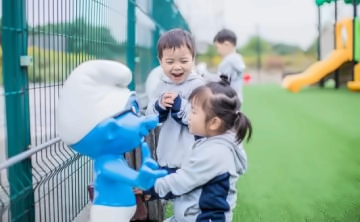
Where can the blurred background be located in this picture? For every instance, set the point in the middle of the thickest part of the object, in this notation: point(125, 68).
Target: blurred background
point(274, 37)
point(304, 159)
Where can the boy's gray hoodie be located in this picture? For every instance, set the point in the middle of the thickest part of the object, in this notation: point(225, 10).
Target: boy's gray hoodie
point(206, 183)
point(233, 66)
point(174, 138)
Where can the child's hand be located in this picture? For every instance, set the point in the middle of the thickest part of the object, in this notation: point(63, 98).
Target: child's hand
point(149, 170)
point(148, 173)
point(167, 100)
point(140, 192)
point(137, 191)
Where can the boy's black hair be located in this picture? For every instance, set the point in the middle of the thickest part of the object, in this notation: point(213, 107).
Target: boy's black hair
point(175, 38)
point(225, 35)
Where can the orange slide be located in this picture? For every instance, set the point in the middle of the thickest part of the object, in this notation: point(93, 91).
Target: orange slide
point(355, 85)
point(317, 71)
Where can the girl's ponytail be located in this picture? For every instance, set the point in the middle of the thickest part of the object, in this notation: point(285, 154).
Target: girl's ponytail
point(243, 127)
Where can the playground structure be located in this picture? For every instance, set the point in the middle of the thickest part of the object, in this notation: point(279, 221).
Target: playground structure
point(347, 49)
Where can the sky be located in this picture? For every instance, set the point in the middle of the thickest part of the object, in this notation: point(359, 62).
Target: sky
point(286, 21)
point(291, 21)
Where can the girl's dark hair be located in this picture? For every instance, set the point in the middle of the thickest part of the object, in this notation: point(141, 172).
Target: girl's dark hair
point(175, 38)
point(225, 79)
point(224, 104)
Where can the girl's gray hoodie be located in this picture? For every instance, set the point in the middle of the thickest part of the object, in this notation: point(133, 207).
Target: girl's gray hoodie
point(174, 138)
point(206, 183)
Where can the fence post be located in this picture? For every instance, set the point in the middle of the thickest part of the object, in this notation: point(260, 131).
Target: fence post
point(130, 46)
point(14, 43)
point(156, 36)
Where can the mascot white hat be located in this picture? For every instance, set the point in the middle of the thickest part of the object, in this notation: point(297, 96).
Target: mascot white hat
point(94, 91)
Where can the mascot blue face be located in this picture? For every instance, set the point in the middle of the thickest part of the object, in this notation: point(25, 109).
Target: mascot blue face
point(118, 134)
point(97, 114)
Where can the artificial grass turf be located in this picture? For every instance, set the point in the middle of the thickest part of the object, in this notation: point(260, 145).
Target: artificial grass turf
point(304, 158)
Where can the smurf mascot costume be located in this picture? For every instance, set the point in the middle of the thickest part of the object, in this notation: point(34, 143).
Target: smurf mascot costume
point(99, 117)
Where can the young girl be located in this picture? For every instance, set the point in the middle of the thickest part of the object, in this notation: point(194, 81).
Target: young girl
point(205, 186)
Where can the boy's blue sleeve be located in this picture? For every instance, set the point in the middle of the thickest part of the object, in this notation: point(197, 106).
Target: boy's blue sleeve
point(180, 110)
point(163, 113)
point(154, 108)
point(182, 107)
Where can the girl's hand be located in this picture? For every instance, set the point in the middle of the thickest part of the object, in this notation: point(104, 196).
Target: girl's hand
point(140, 192)
point(137, 191)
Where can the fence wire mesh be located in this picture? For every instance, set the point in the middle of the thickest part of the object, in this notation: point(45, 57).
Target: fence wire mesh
point(42, 179)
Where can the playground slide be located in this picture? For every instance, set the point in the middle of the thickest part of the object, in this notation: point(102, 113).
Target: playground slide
point(317, 71)
point(355, 85)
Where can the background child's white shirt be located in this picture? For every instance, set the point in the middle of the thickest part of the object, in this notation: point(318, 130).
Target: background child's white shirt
point(233, 66)
point(174, 138)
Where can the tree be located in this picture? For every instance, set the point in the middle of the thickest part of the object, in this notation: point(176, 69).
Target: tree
point(85, 38)
point(312, 50)
point(284, 49)
point(250, 47)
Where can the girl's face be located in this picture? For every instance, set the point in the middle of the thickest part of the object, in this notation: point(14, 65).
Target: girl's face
point(177, 63)
point(197, 121)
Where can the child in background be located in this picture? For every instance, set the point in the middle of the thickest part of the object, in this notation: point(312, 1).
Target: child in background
point(204, 189)
point(232, 64)
point(176, 54)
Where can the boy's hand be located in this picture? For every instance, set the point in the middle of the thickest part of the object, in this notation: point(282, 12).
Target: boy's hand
point(167, 100)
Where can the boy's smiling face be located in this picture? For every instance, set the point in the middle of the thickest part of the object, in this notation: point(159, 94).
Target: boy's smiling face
point(177, 63)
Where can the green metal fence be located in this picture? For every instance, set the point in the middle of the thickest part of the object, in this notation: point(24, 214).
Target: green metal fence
point(41, 179)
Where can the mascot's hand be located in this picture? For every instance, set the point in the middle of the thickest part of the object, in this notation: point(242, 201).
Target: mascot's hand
point(149, 170)
point(148, 123)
